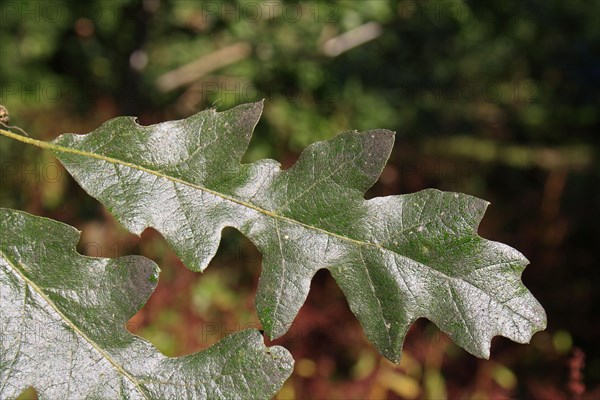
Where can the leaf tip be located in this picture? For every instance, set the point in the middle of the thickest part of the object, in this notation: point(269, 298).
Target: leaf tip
point(394, 357)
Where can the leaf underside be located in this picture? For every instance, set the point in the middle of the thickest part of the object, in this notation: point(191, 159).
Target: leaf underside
point(396, 258)
point(62, 328)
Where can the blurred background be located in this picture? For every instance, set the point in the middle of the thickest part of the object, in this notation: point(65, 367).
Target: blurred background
point(495, 99)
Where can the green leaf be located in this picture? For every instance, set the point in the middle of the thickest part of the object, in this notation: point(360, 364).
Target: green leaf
point(396, 258)
point(62, 328)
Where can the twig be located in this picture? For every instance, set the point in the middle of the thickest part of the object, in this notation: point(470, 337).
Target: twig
point(191, 72)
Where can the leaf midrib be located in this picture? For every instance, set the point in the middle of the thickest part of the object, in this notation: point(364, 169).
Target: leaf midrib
point(54, 147)
point(271, 214)
point(73, 326)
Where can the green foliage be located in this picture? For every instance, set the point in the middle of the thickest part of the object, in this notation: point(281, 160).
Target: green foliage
point(438, 67)
point(396, 258)
point(62, 328)
point(516, 80)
